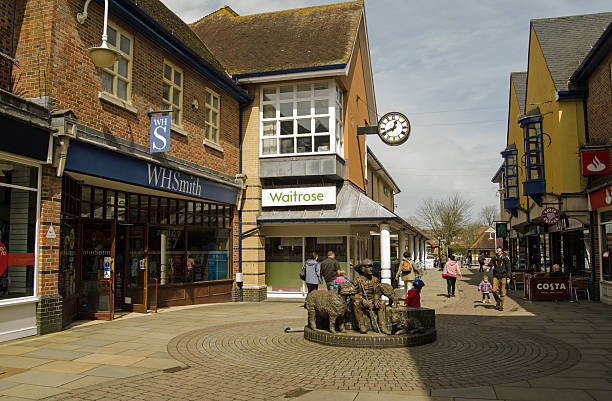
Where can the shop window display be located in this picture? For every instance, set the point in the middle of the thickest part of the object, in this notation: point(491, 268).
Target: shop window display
point(18, 201)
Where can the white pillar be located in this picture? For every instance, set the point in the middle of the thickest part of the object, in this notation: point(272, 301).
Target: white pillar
point(422, 249)
point(418, 248)
point(385, 254)
point(411, 246)
point(401, 249)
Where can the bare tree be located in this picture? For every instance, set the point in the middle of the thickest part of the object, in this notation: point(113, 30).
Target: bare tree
point(446, 218)
point(488, 215)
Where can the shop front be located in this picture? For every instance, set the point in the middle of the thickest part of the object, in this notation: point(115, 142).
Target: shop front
point(129, 244)
point(601, 204)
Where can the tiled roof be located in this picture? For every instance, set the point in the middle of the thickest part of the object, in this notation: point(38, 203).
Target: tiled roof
point(284, 40)
point(565, 41)
point(171, 22)
point(519, 81)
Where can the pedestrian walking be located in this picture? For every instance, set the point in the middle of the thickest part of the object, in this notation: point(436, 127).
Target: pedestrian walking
point(481, 261)
point(485, 288)
point(501, 277)
point(468, 260)
point(452, 271)
point(312, 273)
point(329, 269)
point(407, 271)
point(414, 295)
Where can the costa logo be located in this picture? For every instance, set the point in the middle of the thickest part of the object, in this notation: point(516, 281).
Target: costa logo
point(551, 286)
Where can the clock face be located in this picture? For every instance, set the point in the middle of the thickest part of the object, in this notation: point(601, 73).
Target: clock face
point(394, 128)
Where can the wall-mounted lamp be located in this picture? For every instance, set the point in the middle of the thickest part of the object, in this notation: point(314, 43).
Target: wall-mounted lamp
point(102, 56)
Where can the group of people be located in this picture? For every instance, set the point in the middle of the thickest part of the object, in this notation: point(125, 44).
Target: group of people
point(329, 270)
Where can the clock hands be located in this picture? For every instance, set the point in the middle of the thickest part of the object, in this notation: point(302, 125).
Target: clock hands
point(392, 128)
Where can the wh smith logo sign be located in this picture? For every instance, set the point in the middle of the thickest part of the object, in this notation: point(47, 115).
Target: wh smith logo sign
point(298, 196)
point(160, 134)
point(171, 180)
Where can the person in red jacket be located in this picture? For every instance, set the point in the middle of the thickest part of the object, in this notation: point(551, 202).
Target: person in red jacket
point(414, 295)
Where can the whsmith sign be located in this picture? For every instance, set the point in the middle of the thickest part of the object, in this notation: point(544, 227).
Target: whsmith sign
point(298, 196)
point(103, 163)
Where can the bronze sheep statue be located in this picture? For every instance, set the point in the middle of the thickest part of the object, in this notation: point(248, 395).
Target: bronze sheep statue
point(329, 305)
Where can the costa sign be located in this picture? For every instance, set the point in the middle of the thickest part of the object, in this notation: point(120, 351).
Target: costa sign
point(594, 163)
point(548, 288)
point(550, 215)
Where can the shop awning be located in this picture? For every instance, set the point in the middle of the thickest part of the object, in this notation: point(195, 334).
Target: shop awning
point(351, 205)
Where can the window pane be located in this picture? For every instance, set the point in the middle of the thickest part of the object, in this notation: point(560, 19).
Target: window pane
point(122, 89)
point(304, 126)
point(112, 36)
point(269, 94)
point(107, 82)
point(321, 107)
point(124, 45)
point(286, 145)
point(177, 78)
point(121, 199)
point(207, 114)
point(216, 102)
point(268, 146)
point(208, 98)
point(321, 89)
point(303, 108)
point(85, 209)
point(304, 145)
point(214, 118)
point(286, 109)
point(512, 181)
point(511, 170)
point(86, 193)
point(213, 133)
point(166, 89)
point(176, 115)
point(176, 96)
point(167, 72)
point(207, 132)
point(322, 143)
point(269, 111)
point(303, 91)
point(512, 193)
point(269, 128)
point(286, 127)
point(98, 195)
point(286, 92)
point(321, 124)
point(122, 67)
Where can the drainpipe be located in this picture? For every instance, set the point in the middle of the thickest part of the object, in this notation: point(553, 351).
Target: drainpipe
point(239, 278)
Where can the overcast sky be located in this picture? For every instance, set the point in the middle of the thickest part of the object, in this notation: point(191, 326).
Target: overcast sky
point(446, 65)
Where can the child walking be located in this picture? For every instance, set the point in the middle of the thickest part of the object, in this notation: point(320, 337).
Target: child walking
point(485, 288)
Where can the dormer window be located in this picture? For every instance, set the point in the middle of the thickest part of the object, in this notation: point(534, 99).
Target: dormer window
point(511, 194)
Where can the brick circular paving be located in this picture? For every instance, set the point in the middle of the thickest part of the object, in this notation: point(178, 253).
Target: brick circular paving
point(464, 355)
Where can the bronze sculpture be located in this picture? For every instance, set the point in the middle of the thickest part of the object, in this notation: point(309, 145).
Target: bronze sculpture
point(330, 305)
point(368, 297)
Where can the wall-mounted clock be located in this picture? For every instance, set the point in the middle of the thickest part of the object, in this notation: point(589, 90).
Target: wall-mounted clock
point(394, 128)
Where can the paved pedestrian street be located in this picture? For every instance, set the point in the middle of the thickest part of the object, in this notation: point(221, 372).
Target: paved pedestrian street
point(531, 351)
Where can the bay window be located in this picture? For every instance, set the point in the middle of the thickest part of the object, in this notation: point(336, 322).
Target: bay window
point(303, 118)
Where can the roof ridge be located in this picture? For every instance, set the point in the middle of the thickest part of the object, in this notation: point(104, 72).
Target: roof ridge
point(332, 5)
point(223, 10)
point(571, 16)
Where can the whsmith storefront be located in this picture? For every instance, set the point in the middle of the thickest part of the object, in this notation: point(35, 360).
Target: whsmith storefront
point(155, 229)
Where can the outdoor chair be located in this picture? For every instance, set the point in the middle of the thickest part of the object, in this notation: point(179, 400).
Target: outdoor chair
point(581, 285)
point(518, 278)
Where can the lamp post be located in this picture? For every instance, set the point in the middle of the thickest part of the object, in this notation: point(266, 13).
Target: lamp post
point(102, 56)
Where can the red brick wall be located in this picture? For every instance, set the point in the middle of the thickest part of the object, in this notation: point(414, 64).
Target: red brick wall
point(75, 82)
point(7, 13)
point(599, 103)
point(51, 199)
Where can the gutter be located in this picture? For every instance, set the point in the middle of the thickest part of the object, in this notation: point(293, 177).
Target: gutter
point(292, 73)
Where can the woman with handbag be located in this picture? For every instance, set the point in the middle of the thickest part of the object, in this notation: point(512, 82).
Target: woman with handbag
point(311, 273)
point(452, 270)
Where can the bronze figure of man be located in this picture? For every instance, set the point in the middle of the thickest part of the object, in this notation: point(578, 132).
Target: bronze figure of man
point(368, 297)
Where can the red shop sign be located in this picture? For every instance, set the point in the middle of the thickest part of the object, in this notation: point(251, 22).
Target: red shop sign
point(601, 198)
point(595, 162)
point(549, 288)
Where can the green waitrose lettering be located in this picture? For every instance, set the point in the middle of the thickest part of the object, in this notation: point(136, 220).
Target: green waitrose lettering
point(294, 196)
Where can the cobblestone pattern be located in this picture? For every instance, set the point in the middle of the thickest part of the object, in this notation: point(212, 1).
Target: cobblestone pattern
point(371, 340)
point(268, 363)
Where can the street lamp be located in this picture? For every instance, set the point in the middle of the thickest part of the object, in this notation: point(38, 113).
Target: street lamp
point(102, 56)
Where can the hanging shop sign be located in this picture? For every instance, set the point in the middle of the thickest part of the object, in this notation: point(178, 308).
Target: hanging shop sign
point(550, 215)
point(160, 134)
point(393, 129)
point(595, 162)
point(298, 196)
point(3, 259)
point(501, 230)
point(601, 198)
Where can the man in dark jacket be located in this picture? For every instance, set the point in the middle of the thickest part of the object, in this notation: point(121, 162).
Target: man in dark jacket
point(329, 269)
point(501, 277)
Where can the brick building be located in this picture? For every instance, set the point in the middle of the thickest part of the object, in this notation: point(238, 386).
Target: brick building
point(97, 193)
point(593, 81)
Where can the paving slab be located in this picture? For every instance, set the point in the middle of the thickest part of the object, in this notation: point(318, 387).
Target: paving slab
point(117, 371)
point(157, 363)
point(572, 382)
point(43, 378)
point(541, 394)
point(322, 395)
point(4, 384)
point(31, 392)
point(22, 362)
point(377, 396)
point(86, 381)
point(466, 392)
point(66, 367)
point(601, 395)
point(56, 354)
point(16, 350)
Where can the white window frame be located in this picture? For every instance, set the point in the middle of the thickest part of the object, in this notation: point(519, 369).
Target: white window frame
point(173, 86)
point(115, 71)
point(16, 159)
point(339, 121)
point(208, 126)
point(331, 114)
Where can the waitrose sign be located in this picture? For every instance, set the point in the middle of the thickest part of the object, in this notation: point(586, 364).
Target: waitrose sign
point(298, 196)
